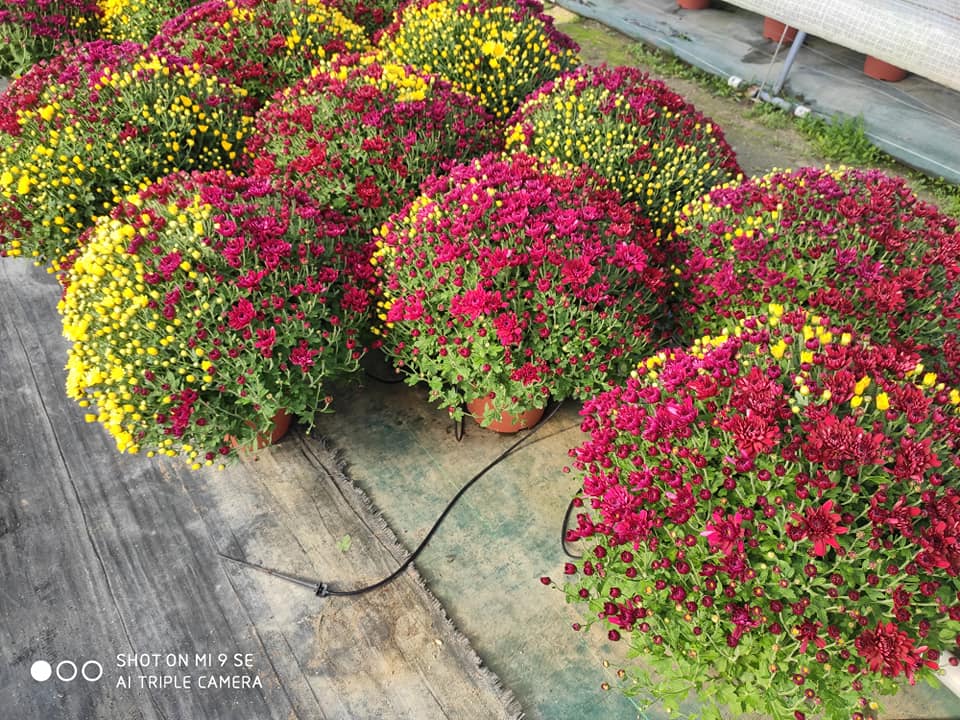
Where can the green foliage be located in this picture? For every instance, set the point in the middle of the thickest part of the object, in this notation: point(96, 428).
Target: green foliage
point(769, 116)
point(669, 65)
point(608, 45)
point(20, 50)
point(35, 30)
point(842, 139)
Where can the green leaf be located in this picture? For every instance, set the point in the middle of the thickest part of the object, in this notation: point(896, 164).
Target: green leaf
point(711, 712)
point(343, 544)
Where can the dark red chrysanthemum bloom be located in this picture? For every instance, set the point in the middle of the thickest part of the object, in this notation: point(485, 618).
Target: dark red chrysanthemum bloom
point(753, 434)
point(820, 526)
point(833, 441)
point(743, 621)
point(890, 651)
point(807, 632)
point(913, 459)
point(757, 393)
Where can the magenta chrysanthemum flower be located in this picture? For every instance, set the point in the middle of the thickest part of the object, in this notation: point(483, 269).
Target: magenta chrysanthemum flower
point(723, 534)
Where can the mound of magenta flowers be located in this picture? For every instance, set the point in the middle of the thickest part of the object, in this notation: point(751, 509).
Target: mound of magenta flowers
point(108, 125)
point(772, 520)
point(35, 30)
point(856, 245)
point(498, 51)
point(362, 135)
point(259, 45)
point(505, 278)
point(641, 137)
point(202, 306)
point(137, 20)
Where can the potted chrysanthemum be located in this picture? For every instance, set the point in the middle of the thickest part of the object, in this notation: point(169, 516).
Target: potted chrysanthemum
point(112, 120)
point(26, 94)
point(204, 307)
point(508, 283)
point(260, 45)
point(360, 135)
point(857, 245)
point(771, 520)
point(645, 140)
point(36, 30)
point(498, 51)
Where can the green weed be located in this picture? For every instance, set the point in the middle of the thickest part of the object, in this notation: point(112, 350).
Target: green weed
point(769, 116)
point(842, 140)
point(662, 62)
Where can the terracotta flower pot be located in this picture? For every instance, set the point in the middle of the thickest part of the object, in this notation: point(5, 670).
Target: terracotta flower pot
point(281, 426)
point(880, 70)
point(774, 30)
point(506, 423)
point(693, 4)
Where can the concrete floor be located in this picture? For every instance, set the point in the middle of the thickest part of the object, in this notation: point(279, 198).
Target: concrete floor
point(106, 557)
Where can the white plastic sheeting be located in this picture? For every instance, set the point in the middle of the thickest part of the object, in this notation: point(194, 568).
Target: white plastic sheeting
point(922, 36)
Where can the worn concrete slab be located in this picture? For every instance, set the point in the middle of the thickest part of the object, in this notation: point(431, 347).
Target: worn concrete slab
point(110, 573)
point(487, 558)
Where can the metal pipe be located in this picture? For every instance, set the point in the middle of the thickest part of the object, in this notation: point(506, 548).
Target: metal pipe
point(791, 56)
point(774, 100)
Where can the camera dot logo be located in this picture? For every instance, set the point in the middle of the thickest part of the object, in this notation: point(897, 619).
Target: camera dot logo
point(41, 671)
point(67, 671)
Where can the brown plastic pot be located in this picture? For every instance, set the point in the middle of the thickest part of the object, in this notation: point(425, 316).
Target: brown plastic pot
point(693, 4)
point(281, 426)
point(880, 70)
point(774, 30)
point(507, 422)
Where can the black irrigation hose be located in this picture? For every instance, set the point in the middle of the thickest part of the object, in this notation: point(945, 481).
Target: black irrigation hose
point(563, 529)
point(322, 589)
